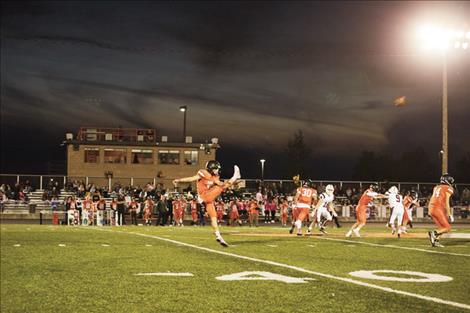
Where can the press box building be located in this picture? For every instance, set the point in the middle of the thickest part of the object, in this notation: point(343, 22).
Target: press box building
point(133, 156)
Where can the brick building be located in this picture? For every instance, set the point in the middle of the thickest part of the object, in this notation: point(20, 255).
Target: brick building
point(133, 156)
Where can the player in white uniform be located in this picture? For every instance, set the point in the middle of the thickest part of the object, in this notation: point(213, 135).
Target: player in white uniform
point(395, 200)
point(322, 210)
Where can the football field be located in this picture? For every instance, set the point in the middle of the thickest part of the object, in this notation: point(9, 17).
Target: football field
point(168, 269)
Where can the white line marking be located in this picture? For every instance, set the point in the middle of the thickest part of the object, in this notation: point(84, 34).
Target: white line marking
point(312, 246)
point(392, 246)
point(425, 277)
point(148, 245)
point(17, 245)
point(272, 246)
point(104, 245)
point(61, 245)
point(458, 236)
point(300, 269)
point(164, 274)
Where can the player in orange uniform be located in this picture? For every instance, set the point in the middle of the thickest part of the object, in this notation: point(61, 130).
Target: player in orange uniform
point(305, 196)
point(209, 187)
point(284, 207)
point(193, 204)
point(220, 211)
point(366, 198)
point(439, 208)
point(409, 202)
point(178, 210)
point(148, 207)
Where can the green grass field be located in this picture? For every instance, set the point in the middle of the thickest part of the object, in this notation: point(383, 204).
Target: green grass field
point(93, 269)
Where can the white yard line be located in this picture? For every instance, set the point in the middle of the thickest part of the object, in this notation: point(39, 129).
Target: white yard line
point(392, 246)
point(303, 270)
point(165, 274)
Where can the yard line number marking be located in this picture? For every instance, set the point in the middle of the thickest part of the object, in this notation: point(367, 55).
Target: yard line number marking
point(392, 246)
point(303, 270)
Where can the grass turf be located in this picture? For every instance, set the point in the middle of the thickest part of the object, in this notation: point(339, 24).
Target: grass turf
point(95, 271)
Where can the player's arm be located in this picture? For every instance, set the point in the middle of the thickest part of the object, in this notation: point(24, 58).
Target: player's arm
point(189, 179)
point(449, 214)
point(319, 203)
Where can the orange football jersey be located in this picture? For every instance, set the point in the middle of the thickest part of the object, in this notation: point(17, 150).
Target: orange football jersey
point(438, 198)
point(206, 181)
point(306, 195)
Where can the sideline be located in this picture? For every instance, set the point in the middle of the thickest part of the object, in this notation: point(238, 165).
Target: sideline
point(300, 269)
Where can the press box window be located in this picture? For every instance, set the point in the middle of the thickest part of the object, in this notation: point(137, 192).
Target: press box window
point(92, 155)
point(115, 156)
point(169, 156)
point(190, 157)
point(142, 156)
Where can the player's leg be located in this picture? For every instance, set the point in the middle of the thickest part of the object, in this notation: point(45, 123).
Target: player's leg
point(211, 212)
point(327, 218)
point(295, 215)
point(314, 220)
point(299, 221)
point(443, 224)
point(400, 213)
point(393, 217)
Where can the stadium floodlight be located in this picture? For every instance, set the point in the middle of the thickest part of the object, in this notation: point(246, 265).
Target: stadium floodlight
point(184, 109)
point(262, 168)
point(442, 39)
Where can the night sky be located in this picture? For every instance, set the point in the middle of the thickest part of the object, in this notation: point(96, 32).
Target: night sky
point(251, 74)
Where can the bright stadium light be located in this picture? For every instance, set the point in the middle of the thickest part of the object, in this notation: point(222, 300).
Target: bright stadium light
point(441, 39)
point(434, 38)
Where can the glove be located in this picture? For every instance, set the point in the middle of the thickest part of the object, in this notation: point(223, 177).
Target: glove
point(451, 218)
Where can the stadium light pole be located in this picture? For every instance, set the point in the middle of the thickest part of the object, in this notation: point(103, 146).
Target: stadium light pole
point(184, 109)
point(441, 39)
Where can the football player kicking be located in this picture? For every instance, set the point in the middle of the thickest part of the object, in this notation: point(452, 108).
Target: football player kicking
point(439, 208)
point(322, 209)
point(370, 194)
point(209, 187)
point(303, 201)
point(395, 200)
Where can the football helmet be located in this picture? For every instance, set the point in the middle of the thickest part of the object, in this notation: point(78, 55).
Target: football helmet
point(307, 183)
point(393, 190)
point(329, 189)
point(447, 179)
point(212, 166)
point(374, 187)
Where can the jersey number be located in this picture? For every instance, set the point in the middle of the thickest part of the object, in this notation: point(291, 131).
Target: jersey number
point(436, 193)
point(307, 193)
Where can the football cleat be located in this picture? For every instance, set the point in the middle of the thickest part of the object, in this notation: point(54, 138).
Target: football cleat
point(322, 229)
point(349, 234)
point(356, 232)
point(299, 234)
point(438, 244)
point(221, 241)
point(432, 238)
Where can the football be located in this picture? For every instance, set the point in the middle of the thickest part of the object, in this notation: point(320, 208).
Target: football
point(400, 101)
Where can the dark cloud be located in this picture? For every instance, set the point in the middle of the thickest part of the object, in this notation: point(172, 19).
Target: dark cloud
point(261, 69)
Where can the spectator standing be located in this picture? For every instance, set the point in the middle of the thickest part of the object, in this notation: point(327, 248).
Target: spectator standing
point(162, 209)
point(254, 213)
point(121, 207)
point(133, 211)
